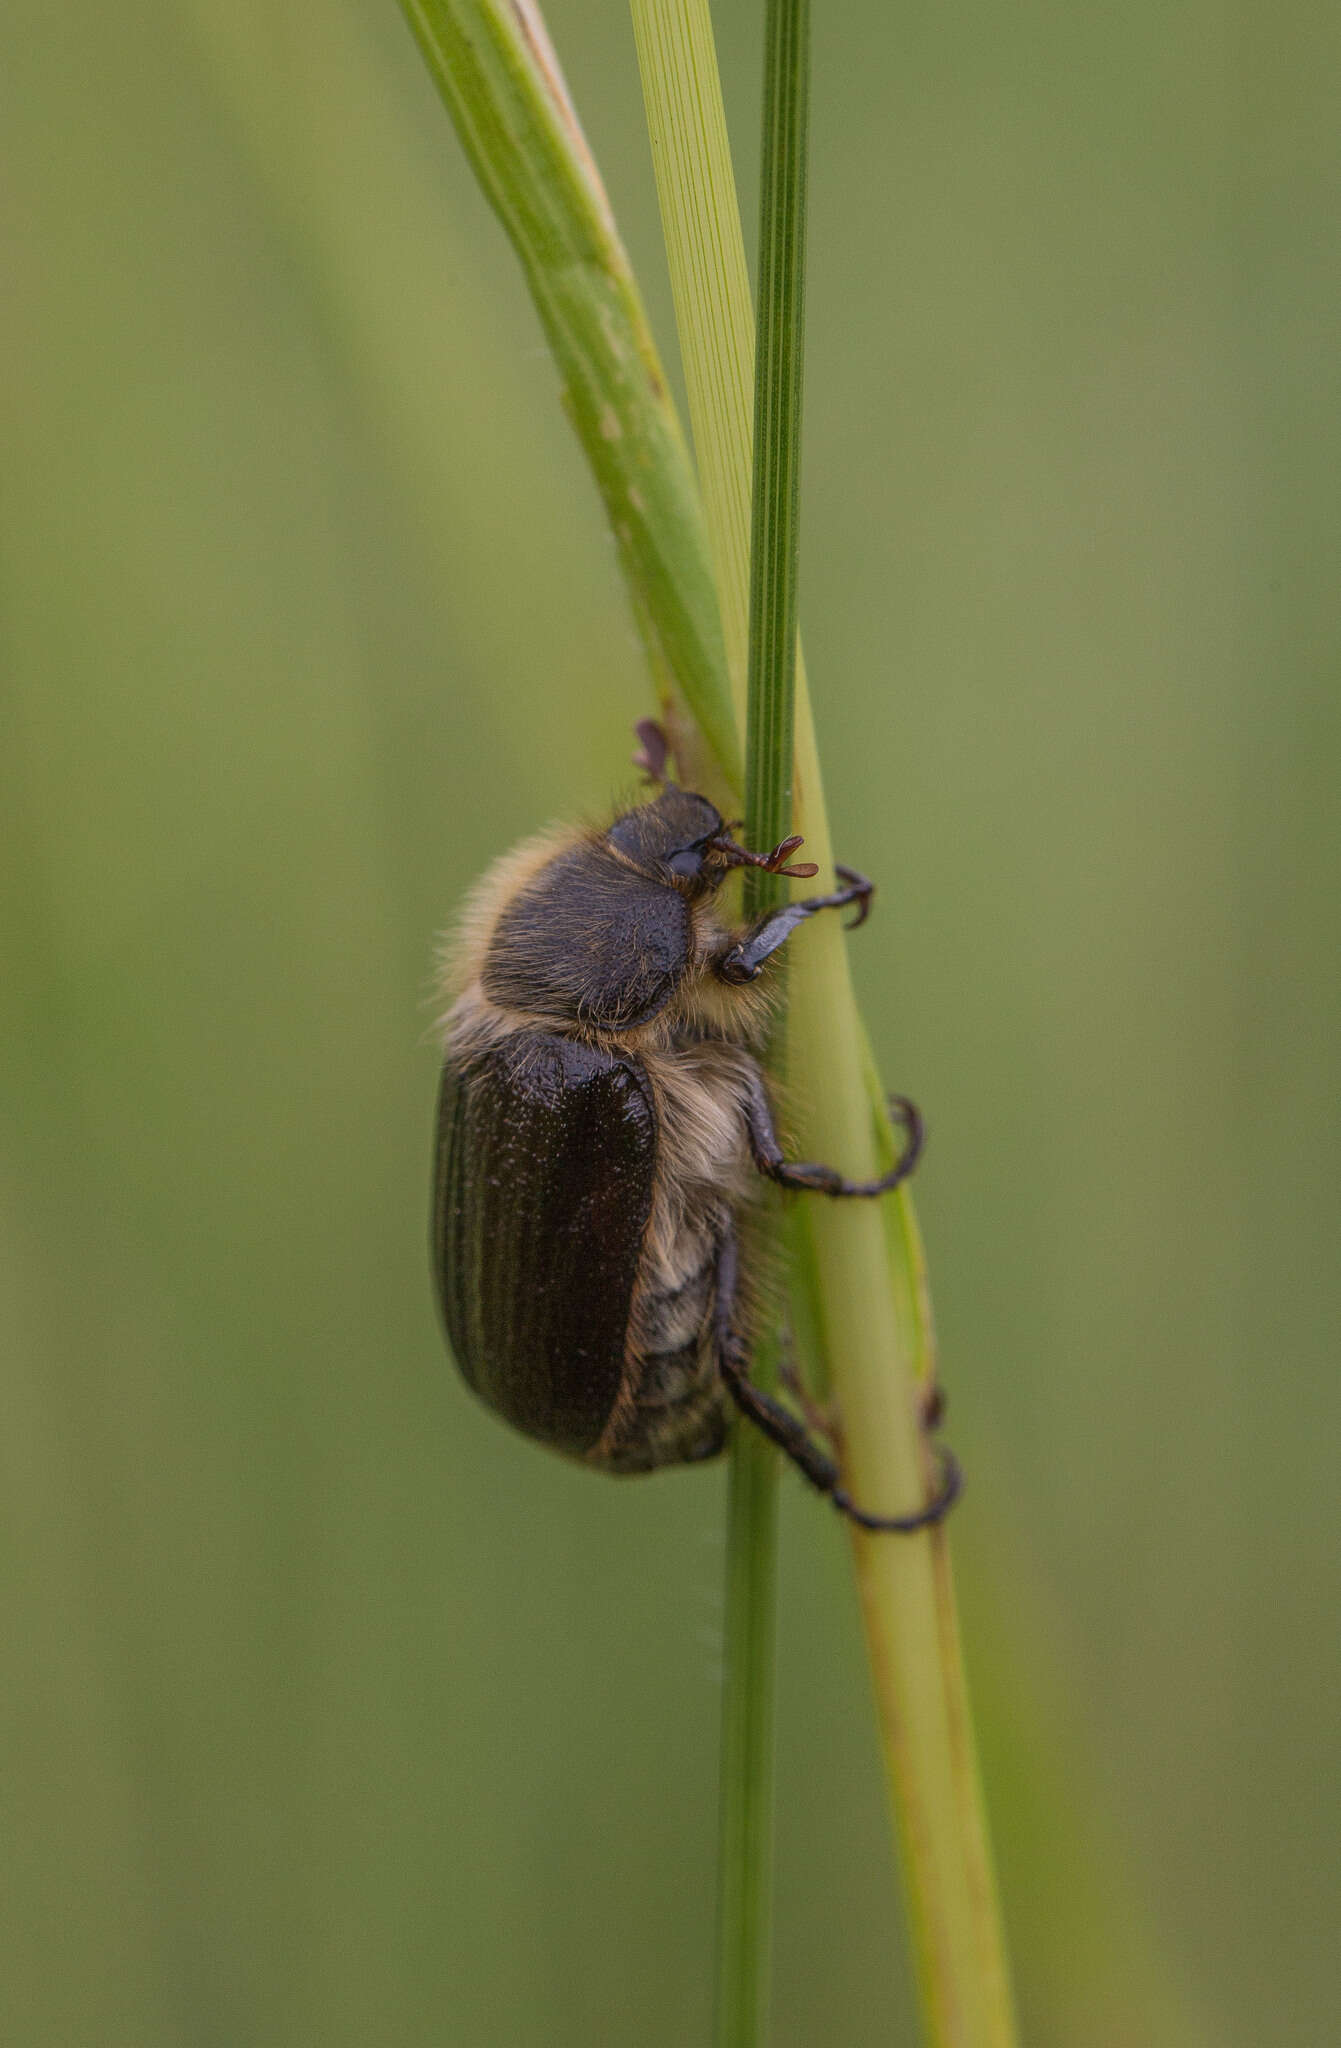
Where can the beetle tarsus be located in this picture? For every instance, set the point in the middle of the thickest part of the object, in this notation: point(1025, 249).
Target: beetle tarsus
point(951, 1486)
point(653, 749)
point(819, 1418)
point(934, 1402)
point(860, 890)
point(790, 1435)
point(827, 1180)
point(745, 956)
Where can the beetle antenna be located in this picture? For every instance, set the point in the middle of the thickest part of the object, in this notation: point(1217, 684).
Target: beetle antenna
point(653, 748)
point(775, 862)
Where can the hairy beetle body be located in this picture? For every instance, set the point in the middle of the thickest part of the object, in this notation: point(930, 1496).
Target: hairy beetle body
point(602, 1123)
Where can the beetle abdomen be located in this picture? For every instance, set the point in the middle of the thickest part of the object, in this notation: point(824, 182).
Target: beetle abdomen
point(678, 1413)
point(546, 1157)
point(679, 1418)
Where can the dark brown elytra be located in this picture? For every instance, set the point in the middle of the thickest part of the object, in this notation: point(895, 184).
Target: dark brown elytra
point(600, 1110)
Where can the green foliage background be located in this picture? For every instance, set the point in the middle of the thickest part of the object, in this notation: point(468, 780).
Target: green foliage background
point(333, 1712)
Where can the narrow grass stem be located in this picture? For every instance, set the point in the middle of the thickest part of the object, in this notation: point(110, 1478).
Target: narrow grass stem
point(745, 1812)
point(779, 380)
point(745, 1858)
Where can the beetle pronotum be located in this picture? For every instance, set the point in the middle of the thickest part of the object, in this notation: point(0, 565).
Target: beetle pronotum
point(601, 1122)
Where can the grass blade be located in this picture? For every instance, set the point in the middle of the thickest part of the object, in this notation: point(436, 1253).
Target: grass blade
point(498, 75)
point(745, 1854)
point(869, 1301)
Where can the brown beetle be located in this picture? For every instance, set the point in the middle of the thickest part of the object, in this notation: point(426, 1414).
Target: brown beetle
point(601, 1123)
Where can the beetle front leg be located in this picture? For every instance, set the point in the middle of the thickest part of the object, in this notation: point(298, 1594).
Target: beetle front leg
point(782, 1428)
point(826, 1180)
point(746, 955)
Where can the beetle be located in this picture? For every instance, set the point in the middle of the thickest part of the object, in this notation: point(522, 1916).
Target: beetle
point(602, 1119)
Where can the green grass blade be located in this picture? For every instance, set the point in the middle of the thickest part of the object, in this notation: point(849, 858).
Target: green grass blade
point(497, 72)
point(745, 1857)
point(745, 1814)
point(870, 1304)
point(779, 379)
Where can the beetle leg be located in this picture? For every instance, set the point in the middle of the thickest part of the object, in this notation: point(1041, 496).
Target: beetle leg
point(825, 1180)
point(653, 749)
point(746, 955)
point(784, 1429)
point(820, 1421)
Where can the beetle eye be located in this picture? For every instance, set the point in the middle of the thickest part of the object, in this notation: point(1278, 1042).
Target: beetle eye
point(688, 862)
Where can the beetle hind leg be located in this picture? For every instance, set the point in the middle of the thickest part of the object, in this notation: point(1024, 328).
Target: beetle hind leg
point(818, 1416)
point(790, 1435)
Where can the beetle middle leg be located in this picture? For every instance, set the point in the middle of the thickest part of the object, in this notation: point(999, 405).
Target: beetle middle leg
point(784, 1429)
point(825, 1180)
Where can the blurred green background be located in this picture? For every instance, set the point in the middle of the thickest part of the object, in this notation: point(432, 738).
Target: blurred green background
point(333, 1712)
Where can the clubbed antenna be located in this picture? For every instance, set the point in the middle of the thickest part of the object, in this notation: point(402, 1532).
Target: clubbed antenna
point(775, 862)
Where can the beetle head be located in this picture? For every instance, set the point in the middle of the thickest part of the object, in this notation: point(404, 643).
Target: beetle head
point(676, 833)
point(682, 837)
